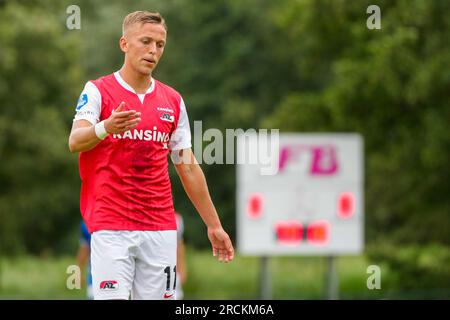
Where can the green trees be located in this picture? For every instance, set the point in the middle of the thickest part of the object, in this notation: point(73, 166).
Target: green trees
point(391, 86)
point(39, 80)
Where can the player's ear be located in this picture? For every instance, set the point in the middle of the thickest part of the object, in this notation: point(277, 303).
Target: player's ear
point(123, 44)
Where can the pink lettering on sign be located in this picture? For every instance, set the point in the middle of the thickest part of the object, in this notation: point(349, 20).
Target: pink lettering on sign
point(323, 158)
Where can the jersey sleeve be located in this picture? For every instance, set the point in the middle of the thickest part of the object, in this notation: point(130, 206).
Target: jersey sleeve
point(181, 137)
point(89, 104)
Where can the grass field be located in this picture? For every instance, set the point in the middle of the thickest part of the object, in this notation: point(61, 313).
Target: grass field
point(292, 278)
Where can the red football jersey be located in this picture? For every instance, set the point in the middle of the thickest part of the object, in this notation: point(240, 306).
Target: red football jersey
point(125, 178)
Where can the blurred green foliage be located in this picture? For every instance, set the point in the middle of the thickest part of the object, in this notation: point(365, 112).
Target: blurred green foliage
point(303, 66)
point(39, 80)
point(292, 278)
point(207, 279)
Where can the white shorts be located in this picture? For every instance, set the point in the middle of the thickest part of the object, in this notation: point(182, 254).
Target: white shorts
point(137, 263)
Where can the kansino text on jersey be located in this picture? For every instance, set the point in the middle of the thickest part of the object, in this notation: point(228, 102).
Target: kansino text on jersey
point(147, 135)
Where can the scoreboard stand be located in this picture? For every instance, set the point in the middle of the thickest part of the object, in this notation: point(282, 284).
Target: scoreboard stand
point(311, 206)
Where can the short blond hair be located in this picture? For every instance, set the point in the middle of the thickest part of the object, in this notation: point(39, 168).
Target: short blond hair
point(142, 17)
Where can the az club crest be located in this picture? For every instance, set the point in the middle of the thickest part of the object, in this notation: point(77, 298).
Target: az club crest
point(167, 117)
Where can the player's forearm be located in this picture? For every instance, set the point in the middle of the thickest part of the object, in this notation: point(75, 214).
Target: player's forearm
point(194, 184)
point(83, 139)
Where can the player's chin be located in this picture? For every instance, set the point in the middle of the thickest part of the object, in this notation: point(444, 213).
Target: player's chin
point(147, 69)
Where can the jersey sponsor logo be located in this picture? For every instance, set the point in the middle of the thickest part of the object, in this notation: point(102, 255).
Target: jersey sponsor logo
point(167, 117)
point(145, 135)
point(168, 295)
point(109, 285)
point(82, 101)
point(165, 109)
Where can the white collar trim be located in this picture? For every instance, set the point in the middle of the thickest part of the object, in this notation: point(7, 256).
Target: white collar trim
point(128, 87)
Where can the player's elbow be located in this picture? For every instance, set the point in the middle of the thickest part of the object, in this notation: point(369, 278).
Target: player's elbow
point(72, 148)
point(73, 145)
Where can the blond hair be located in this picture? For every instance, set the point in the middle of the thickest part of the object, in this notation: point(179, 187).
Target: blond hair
point(142, 17)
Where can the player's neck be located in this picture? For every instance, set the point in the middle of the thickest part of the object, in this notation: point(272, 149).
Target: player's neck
point(139, 82)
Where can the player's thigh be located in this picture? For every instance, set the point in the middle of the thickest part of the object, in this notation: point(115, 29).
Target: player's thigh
point(155, 276)
point(112, 265)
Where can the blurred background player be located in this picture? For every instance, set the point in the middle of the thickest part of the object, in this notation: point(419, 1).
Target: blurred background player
point(83, 259)
point(181, 262)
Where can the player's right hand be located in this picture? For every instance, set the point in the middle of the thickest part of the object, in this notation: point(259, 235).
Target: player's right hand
point(122, 120)
point(221, 244)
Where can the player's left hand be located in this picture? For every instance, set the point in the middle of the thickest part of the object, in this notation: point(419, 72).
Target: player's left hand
point(221, 244)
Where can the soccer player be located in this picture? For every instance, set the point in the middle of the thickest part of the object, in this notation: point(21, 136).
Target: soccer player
point(125, 125)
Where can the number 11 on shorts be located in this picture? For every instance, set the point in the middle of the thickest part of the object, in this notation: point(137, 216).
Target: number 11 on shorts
point(167, 272)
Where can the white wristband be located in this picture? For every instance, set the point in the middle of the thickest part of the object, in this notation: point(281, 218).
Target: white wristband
point(100, 130)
